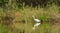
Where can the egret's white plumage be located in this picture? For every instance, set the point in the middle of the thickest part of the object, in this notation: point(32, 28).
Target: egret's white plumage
point(37, 22)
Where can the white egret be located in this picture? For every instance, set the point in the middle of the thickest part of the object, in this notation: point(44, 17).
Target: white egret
point(37, 21)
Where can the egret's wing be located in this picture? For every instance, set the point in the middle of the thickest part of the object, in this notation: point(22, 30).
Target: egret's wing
point(36, 20)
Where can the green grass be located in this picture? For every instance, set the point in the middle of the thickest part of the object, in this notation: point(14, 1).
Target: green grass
point(3, 29)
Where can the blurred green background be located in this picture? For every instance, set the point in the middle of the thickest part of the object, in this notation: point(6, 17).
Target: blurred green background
point(16, 16)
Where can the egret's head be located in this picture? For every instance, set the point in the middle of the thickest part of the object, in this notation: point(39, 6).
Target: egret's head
point(33, 17)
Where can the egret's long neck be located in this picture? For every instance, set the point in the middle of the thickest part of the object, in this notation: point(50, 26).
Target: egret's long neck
point(33, 17)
